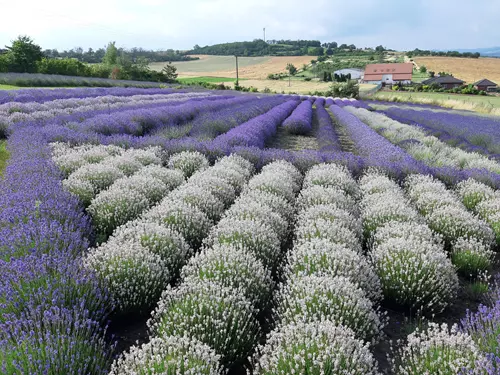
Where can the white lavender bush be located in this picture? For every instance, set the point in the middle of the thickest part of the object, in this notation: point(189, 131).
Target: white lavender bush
point(316, 298)
point(188, 220)
point(437, 350)
point(253, 236)
point(472, 192)
point(319, 195)
point(471, 257)
point(218, 316)
point(314, 348)
point(218, 187)
point(170, 177)
point(321, 257)
point(200, 198)
point(332, 175)
point(134, 276)
point(188, 162)
point(101, 175)
point(84, 190)
point(232, 267)
point(168, 355)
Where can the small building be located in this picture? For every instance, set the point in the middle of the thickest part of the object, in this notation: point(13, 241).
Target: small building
point(446, 82)
point(355, 73)
point(485, 85)
point(389, 74)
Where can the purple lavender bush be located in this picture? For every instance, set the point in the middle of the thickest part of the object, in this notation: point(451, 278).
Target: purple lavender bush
point(300, 121)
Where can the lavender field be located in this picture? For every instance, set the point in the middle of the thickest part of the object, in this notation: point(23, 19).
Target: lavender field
point(170, 231)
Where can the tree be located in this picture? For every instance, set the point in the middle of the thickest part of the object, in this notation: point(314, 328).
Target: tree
point(329, 52)
point(380, 48)
point(423, 69)
point(111, 55)
point(432, 74)
point(170, 72)
point(292, 70)
point(24, 54)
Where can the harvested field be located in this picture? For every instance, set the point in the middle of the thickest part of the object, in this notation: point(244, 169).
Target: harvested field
point(469, 70)
point(224, 66)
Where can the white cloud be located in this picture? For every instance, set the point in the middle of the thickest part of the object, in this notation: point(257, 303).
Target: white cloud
point(181, 24)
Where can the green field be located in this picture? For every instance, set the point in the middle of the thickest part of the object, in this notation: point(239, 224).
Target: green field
point(4, 156)
point(9, 87)
point(212, 64)
point(188, 80)
point(484, 104)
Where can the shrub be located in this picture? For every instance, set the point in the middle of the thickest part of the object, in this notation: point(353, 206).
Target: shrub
point(200, 198)
point(234, 176)
point(101, 176)
point(318, 195)
point(115, 207)
point(233, 267)
point(323, 229)
point(315, 298)
point(415, 275)
point(189, 221)
point(218, 187)
point(484, 327)
point(168, 355)
point(274, 184)
point(84, 190)
point(217, 316)
point(276, 203)
point(471, 257)
point(438, 350)
point(134, 276)
point(490, 211)
point(321, 257)
point(171, 178)
point(256, 211)
point(153, 189)
point(188, 162)
point(54, 341)
point(168, 244)
point(124, 163)
point(314, 348)
point(472, 192)
point(253, 236)
point(332, 175)
point(289, 169)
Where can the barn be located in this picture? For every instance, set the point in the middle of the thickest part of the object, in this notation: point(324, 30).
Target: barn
point(388, 74)
point(485, 85)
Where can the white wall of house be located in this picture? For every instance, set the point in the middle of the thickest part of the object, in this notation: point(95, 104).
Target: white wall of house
point(355, 74)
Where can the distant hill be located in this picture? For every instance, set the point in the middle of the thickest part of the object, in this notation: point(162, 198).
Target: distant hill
point(485, 52)
point(260, 48)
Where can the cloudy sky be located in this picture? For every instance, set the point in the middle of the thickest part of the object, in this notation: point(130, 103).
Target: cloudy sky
point(180, 24)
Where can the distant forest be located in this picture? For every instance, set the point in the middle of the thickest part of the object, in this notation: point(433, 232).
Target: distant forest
point(92, 56)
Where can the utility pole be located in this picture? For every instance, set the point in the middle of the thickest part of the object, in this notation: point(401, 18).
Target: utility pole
point(237, 75)
point(264, 34)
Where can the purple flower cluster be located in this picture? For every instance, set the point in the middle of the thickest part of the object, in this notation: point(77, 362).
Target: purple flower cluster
point(475, 133)
point(300, 121)
point(326, 136)
point(259, 129)
point(377, 150)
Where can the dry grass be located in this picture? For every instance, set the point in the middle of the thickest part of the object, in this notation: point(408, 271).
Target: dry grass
point(301, 87)
point(469, 70)
point(224, 66)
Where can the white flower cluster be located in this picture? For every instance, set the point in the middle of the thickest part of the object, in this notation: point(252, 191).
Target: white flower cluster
point(134, 276)
point(169, 355)
point(69, 159)
point(438, 350)
point(201, 198)
point(167, 232)
point(316, 298)
point(332, 175)
point(321, 348)
point(323, 312)
point(128, 198)
point(92, 169)
point(188, 162)
point(428, 148)
point(322, 257)
point(218, 316)
point(467, 236)
point(234, 267)
point(408, 258)
point(482, 200)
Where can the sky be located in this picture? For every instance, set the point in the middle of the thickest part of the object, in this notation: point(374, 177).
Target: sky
point(180, 24)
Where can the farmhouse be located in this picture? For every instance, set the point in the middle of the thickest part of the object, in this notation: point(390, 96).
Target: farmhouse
point(485, 85)
point(446, 82)
point(355, 73)
point(388, 74)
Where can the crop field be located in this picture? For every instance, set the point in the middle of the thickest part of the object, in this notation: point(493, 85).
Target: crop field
point(225, 66)
point(167, 231)
point(469, 70)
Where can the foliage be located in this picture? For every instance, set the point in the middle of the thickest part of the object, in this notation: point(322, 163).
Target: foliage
point(23, 55)
point(348, 89)
point(170, 72)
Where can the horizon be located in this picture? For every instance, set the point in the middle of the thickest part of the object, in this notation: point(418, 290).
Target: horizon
point(366, 23)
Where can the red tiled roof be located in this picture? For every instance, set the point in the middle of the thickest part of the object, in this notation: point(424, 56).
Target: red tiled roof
point(400, 71)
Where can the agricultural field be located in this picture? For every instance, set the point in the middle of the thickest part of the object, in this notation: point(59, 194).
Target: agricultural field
point(169, 231)
point(468, 70)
